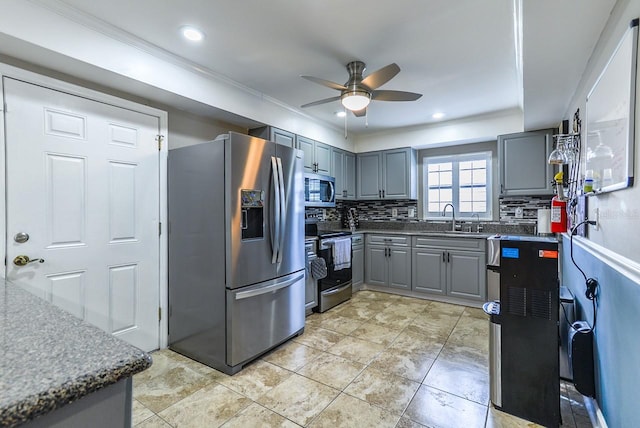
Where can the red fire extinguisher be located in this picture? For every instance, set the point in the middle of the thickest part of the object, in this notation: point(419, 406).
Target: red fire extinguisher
point(559, 207)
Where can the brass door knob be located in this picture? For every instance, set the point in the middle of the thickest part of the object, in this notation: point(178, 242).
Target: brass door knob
point(24, 260)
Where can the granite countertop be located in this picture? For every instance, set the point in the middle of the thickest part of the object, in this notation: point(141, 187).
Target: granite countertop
point(49, 358)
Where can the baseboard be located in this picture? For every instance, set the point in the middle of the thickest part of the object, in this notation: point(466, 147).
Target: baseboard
point(595, 414)
point(423, 296)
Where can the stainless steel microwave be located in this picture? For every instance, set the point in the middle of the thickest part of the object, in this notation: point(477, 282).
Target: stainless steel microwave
point(319, 190)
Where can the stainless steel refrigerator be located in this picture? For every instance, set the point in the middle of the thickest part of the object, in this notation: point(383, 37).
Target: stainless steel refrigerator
point(236, 249)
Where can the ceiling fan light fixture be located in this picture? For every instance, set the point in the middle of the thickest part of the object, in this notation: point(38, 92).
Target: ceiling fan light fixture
point(355, 100)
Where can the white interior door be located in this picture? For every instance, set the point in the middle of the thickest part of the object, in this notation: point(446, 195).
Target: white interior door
point(83, 184)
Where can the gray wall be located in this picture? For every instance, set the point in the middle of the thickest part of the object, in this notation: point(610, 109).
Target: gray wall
point(186, 129)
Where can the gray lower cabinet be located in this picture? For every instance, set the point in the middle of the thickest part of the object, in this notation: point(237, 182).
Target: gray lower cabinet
point(449, 267)
point(429, 273)
point(388, 261)
point(357, 261)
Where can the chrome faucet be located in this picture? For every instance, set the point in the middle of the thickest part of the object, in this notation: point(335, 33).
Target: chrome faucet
point(478, 222)
point(453, 215)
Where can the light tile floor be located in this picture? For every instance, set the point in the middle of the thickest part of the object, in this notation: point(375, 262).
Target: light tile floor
point(379, 360)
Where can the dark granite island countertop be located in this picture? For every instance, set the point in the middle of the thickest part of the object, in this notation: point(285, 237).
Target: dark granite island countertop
point(49, 358)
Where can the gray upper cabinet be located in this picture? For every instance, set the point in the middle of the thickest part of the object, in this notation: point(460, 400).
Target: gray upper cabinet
point(343, 167)
point(523, 166)
point(389, 174)
point(276, 135)
point(317, 155)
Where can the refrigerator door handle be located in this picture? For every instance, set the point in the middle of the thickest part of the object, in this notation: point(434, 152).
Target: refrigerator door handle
point(275, 236)
point(268, 289)
point(283, 210)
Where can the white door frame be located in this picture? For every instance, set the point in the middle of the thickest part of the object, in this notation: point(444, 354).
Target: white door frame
point(69, 88)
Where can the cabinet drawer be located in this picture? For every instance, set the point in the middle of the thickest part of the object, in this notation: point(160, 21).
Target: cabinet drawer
point(403, 241)
point(449, 243)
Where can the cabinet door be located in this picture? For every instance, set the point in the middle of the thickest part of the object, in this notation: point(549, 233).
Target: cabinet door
point(369, 176)
point(466, 273)
point(357, 267)
point(350, 175)
point(523, 163)
point(283, 137)
point(429, 271)
point(337, 166)
point(376, 265)
point(396, 174)
point(306, 145)
point(322, 153)
point(400, 267)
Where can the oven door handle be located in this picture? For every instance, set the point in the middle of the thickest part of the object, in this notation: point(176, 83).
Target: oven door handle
point(336, 290)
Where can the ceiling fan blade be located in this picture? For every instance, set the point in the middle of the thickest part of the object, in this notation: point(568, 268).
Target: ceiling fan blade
point(394, 96)
point(324, 101)
point(360, 113)
point(327, 83)
point(380, 77)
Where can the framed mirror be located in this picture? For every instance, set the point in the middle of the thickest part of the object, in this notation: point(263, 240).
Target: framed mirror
point(609, 148)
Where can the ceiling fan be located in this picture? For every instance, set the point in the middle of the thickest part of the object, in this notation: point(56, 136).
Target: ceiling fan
point(356, 94)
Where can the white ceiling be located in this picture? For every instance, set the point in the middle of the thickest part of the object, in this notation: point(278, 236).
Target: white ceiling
point(460, 54)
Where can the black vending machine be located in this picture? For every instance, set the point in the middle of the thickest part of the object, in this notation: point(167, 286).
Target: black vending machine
point(525, 370)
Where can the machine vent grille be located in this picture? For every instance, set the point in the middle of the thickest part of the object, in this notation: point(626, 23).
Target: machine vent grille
point(541, 304)
point(517, 301)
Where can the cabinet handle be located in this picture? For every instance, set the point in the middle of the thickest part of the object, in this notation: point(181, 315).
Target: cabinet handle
point(448, 257)
point(383, 193)
point(379, 193)
point(444, 260)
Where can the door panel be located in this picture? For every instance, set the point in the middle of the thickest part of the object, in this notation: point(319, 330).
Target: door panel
point(369, 176)
point(467, 275)
point(82, 181)
point(248, 167)
point(376, 266)
point(400, 267)
point(293, 239)
point(429, 274)
point(263, 315)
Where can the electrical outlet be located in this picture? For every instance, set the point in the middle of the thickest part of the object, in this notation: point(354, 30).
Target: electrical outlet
point(394, 212)
point(519, 212)
point(412, 212)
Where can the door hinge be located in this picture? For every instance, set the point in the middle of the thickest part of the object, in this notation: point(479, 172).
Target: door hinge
point(159, 314)
point(159, 139)
point(160, 228)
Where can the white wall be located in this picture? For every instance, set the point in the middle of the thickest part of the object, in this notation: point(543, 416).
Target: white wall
point(95, 52)
point(468, 130)
point(619, 219)
point(186, 129)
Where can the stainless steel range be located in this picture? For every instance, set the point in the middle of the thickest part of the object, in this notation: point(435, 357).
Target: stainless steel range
point(335, 288)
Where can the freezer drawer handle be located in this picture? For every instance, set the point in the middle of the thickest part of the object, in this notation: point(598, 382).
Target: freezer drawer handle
point(268, 289)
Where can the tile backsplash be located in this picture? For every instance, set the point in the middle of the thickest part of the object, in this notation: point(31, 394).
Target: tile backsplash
point(512, 208)
point(367, 210)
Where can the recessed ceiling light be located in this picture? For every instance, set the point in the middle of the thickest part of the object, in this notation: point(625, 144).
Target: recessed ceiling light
point(192, 33)
point(437, 115)
point(341, 113)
